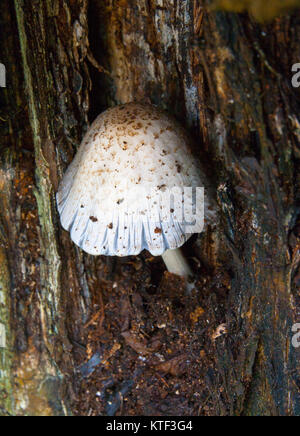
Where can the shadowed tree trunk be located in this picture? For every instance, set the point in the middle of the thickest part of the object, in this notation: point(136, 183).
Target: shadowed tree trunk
point(79, 335)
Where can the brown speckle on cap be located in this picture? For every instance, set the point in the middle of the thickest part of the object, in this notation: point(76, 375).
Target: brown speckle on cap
point(130, 155)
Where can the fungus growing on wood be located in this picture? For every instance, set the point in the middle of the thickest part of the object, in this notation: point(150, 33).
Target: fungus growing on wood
point(130, 185)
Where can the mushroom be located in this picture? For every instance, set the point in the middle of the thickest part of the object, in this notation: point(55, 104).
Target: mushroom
point(129, 185)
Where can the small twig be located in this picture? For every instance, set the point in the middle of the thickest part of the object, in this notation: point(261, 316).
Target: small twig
point(198, 20)
point(99, 315)
point(163, 380)
point(265, 60)
point(96, 64)
point(101, 312)
point(92, 320)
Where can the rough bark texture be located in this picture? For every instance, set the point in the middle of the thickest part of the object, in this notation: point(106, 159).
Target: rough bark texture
point(80, 337)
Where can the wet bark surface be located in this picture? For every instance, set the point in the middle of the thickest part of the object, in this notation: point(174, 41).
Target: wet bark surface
point(90, 336)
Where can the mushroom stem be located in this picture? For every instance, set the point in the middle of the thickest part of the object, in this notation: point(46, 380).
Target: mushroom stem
point(176, 263)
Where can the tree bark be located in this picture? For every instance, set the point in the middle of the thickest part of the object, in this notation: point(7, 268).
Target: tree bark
point(79, 336)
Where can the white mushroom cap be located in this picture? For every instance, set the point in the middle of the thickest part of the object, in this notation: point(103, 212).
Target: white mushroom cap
point(111, 198)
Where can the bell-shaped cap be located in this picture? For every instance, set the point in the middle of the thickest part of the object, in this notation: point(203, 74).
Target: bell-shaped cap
point(129, 185)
